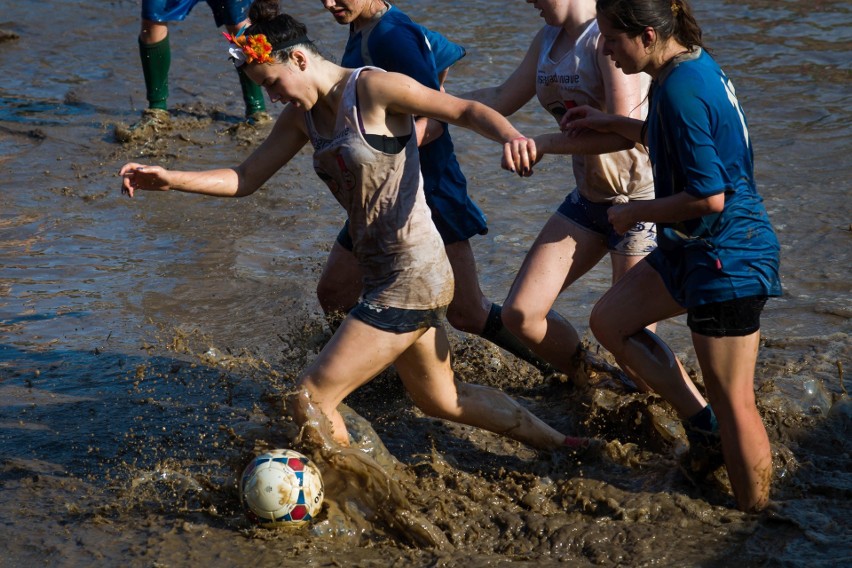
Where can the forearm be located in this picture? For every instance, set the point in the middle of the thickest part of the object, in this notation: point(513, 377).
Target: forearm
point(586, 143)
point(487, 122)
point(217, 183)
point(629, 128)
point(676, 208)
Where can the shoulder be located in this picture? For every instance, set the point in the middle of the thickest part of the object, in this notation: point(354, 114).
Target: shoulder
point(395, 23)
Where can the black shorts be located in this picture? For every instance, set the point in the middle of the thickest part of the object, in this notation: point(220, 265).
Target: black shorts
point(731, 318)
point(397, 320)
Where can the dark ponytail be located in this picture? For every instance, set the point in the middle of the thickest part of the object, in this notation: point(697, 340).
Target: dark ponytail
point(669, 18)
point(283, 31)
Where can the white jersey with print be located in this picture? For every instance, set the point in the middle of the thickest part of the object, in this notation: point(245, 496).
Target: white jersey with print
point(575, 79)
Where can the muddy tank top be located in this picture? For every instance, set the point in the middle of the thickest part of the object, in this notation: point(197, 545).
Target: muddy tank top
point(574, 80)
point(397, 245)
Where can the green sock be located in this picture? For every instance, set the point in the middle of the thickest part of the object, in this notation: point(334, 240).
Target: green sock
point(156, 60)
point(252, 94)
point(502, 337)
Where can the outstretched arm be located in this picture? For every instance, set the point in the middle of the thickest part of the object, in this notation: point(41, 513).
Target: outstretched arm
point(285, 140)
point(390, 95)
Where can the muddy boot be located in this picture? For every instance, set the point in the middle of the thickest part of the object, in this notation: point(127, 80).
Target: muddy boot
point(146, 128)
point(258, 117)
point(253, 97)
point(156, 58)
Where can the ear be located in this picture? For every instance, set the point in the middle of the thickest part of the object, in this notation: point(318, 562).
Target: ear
point(299, 59)
point(649, 37)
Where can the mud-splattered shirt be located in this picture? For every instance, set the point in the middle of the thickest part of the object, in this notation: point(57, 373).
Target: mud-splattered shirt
point(397, 246)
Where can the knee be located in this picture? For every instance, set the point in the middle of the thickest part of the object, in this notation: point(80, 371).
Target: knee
point(517, 319)
point(601, 327)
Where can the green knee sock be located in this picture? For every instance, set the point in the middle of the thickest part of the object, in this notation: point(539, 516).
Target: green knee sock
point(156, 59)
point(502, 337)
point(252, 94)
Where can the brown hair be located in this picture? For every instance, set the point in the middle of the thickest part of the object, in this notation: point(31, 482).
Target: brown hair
point(669, 18)
point(280, 29)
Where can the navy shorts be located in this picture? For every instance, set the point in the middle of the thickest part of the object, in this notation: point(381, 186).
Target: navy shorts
point(731, 318)
point(591, 216)
point(397, 320)
point(225, 12)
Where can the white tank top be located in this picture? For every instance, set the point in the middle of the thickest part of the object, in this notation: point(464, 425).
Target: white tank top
point(574, 80)
point(397, 246)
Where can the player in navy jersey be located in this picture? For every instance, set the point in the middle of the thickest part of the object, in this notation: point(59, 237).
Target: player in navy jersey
point(718, 256)
point(384, 36)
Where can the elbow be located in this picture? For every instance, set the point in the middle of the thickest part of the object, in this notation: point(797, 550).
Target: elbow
point(710, 205)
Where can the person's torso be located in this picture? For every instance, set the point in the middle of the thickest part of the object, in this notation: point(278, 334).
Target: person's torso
point(739, 239)
point(572, 79)
point(393, 42)
point(396, 243)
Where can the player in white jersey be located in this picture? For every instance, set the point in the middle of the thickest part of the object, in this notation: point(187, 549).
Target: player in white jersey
point(565, 67)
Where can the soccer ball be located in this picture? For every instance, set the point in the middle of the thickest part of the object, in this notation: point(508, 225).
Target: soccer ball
point(281, 488)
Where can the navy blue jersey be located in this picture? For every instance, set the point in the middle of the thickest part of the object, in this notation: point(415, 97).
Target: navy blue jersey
point(699, 143)
point(395, 43)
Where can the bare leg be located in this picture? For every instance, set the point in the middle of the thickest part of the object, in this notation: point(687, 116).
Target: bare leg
point(153, 32)
point(356, 353)
point(425, 371)
point(340, 283)
point(469, 309)
point(619, 321)
point(621, 263)
point(727, 364)
point(561, 254)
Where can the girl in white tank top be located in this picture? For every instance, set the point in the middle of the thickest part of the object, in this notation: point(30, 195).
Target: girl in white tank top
point(565, 67)
point(407, 271)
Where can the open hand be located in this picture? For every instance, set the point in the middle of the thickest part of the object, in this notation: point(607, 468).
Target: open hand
point(138, 176)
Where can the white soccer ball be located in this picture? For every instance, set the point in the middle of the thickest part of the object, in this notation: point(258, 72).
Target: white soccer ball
point(281, 488)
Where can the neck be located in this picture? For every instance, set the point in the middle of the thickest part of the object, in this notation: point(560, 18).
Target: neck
point(667, 52)
point(375, 7)
point(579, 18)
point(330, 86)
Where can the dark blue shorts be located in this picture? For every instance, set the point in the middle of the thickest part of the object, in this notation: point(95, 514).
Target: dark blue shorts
point(591, 216)
point(397, 320)
point(225, 12)
point(731, 318)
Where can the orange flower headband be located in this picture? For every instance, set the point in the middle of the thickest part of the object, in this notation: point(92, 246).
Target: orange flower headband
point(256, 48)
point(249, 49)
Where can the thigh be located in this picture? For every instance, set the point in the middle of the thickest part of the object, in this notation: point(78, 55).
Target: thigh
point(561, 254)
point(356, 353)
point(727, 365)
point(341, 280)
point(635, 301)
point(426, 372)
point(621, 263)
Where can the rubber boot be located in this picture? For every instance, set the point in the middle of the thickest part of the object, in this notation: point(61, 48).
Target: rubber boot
point(253, 98)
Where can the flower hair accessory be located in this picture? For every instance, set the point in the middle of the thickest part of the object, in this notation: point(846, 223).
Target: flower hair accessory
point(675, 8)
point(249, 48)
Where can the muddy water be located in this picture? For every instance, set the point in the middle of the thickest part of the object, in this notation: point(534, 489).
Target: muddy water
point(146, 345)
